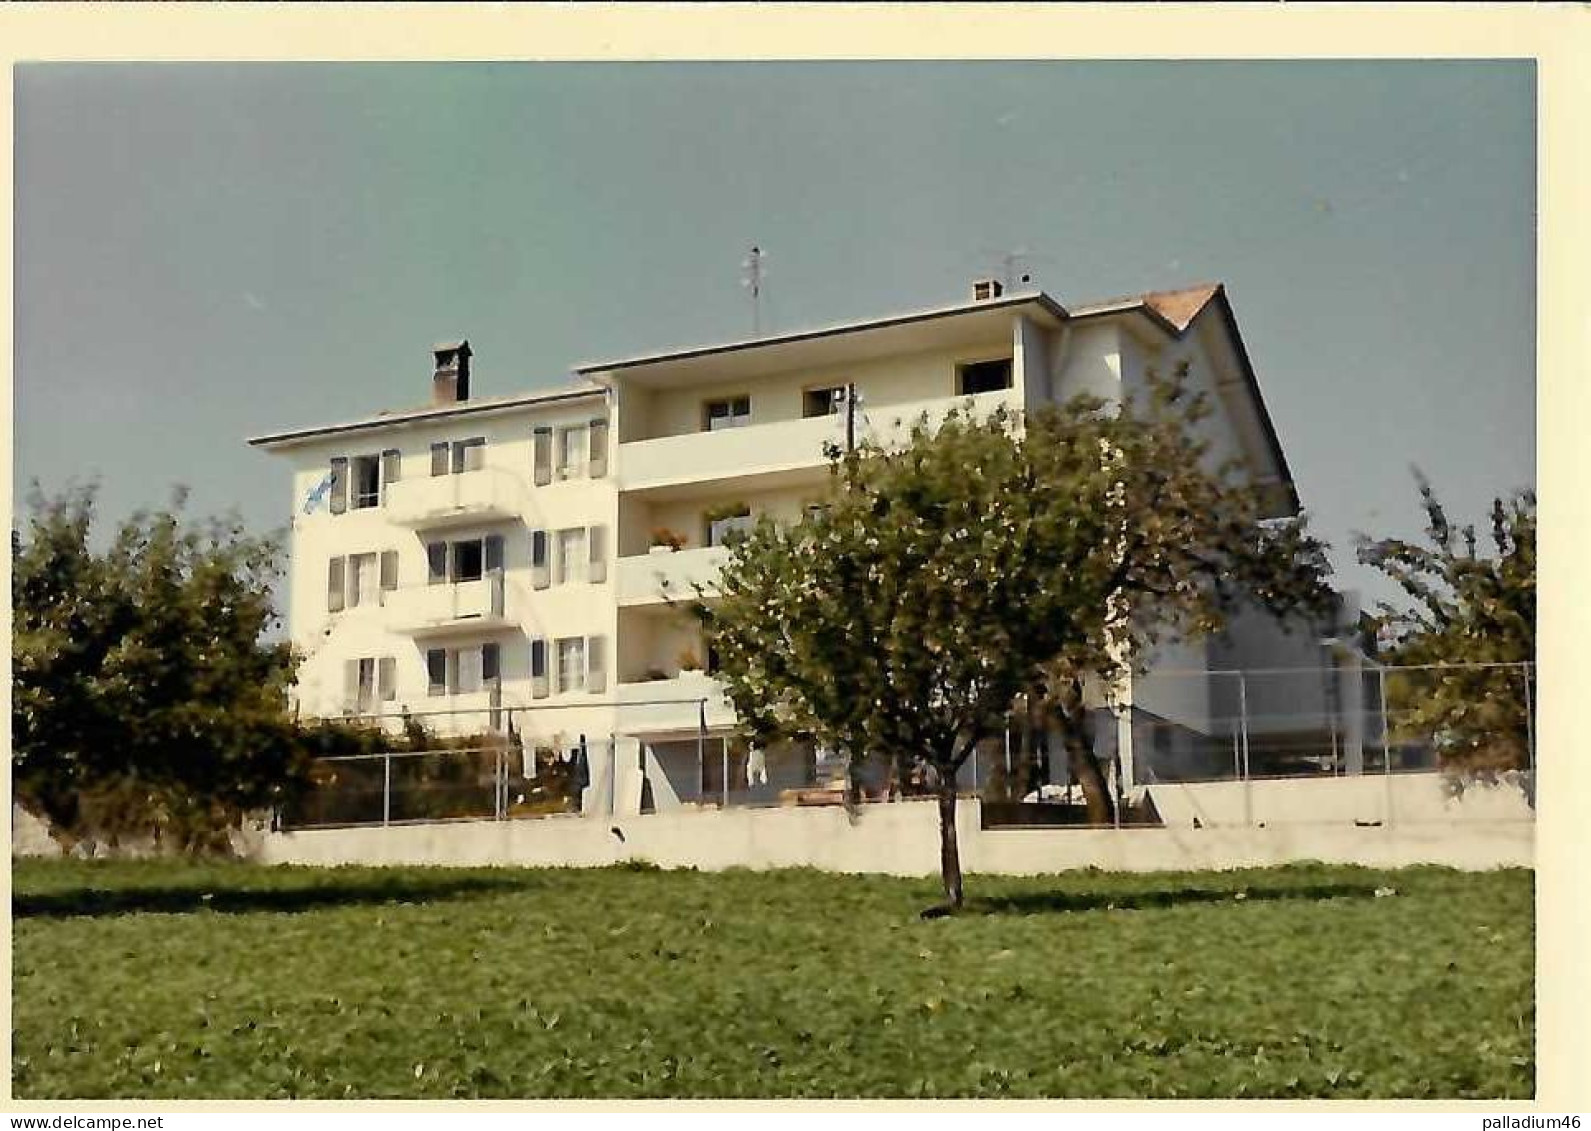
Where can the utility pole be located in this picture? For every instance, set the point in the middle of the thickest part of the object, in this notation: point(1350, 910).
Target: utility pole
point(850, 416)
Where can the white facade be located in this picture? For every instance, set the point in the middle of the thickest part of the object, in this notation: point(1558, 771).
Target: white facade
point(548, 595)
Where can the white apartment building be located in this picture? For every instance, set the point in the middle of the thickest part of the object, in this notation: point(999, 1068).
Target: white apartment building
point(521, 553)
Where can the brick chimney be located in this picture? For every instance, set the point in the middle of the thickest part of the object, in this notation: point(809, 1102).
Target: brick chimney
point(451, 383)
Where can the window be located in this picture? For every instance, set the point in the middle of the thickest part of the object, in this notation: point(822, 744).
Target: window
point(462, 671)
point(572, 451)
point(359, 482)
point(469, 455)
point(466, 671)
point(571, 564)
point(467, 560)
point(734, 412)
point(720, 525)
point(826, 401)
point(983, 377)
point(454, 457)
point(370, 680)
point(571, 664)
point(366, 482)
point(365, 698)
point(363, 588)
point(360, 579)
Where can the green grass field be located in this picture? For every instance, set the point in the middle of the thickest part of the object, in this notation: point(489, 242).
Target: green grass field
point(166, 980)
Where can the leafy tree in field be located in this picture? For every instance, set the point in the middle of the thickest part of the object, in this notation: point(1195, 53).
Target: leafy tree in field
point(144, 700)
point(974, 563)
point(1464, 608)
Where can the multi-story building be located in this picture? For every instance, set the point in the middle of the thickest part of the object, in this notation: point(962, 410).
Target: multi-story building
point(523, 553)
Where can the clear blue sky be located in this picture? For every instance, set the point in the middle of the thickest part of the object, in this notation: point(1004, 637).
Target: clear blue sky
point(208, 252)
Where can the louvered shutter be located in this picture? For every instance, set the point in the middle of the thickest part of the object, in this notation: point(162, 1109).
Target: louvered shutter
point(391, 466)
point(597, 465)
point(339, 485)
point(335, 585)
point(541, 457)
point(596, 665)
point(538, 668)
point(439, 458)
point(597, 540)
point(540, 573)
point(389, 570)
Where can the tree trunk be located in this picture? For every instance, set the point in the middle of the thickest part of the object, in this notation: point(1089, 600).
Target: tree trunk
point(949, 851)
point(1078, 740)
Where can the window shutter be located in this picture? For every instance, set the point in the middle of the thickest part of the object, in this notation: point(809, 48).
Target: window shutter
point(538, 668)
point(490, 657)
point(439, 458)
point(542, 457)
point(391, 464)
point(350, 685)
point(389, 570)
point(436, 671)
point(387, 678)
point(596, 538)
point(596, 661)
point(540, 574)
point(436, 562)
point(335, 585)
point(471, 454)
point(339, 485)
point(598, 460)
point(492, 552)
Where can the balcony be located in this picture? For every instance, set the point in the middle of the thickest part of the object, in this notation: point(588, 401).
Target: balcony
point(669, 575)
point(777, 448)
point(437, 502)
point(672, 706)
point(428, 612)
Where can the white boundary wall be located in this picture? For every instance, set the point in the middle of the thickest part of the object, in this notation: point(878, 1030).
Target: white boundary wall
point(1476, 833)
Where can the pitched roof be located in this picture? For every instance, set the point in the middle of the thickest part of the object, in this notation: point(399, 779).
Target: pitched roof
point(1177, 309)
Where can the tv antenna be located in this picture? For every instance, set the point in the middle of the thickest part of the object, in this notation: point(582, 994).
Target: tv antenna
point(1015, 267)
point(753, 272)
point(751, 278)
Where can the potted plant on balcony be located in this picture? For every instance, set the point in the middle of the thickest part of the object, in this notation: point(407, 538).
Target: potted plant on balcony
point(666, 541)
point(689, 662)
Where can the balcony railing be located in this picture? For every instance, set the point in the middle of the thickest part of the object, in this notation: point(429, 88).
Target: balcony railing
point(786, 445)
point(668, 575)
point(428, 611)
point(670, 705)
point(439, 501)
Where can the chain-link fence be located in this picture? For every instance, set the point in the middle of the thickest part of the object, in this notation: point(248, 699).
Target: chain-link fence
point(1333, 720)
point(1182, 726)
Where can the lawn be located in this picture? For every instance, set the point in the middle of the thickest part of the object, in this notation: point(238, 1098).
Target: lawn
point(167, 980)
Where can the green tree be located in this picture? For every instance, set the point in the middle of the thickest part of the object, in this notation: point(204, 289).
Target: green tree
point(979, 561)
point(146, 700)
point(1464, 609)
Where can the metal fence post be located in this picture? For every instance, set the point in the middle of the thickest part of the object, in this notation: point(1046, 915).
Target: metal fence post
point(1386, 738)
point(386, 789)
point(701, 746)
point(724, 749)
point(1248, 777)
point(1530, 722)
